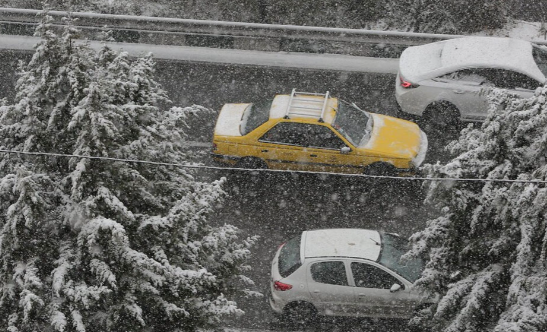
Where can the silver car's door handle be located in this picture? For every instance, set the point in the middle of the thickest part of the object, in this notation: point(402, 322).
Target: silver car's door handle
point(316, 291)
point(362, 295)
point(459, 91)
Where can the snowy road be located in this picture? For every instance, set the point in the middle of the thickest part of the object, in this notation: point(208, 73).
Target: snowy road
point(212, 77)
point(277, 207)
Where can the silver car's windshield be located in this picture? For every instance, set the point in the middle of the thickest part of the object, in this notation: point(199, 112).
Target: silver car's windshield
point(393, 247)
point(540, 56)
point(352, 122)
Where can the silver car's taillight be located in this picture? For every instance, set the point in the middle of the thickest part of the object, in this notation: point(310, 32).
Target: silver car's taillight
point(407, 84)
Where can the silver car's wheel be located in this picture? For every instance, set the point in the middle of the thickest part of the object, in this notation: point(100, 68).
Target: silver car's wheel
point(440, 117)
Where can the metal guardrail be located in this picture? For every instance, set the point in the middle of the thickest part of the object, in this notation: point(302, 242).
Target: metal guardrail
point(220, 34)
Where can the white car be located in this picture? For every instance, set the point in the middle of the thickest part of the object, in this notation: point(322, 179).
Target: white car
point(343, 272)
point(445, 81)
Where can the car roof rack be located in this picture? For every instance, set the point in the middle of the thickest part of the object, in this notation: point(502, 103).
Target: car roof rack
point(308, 107)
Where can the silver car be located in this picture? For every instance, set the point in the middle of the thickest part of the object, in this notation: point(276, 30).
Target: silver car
point(446, 81)
point(343, 272)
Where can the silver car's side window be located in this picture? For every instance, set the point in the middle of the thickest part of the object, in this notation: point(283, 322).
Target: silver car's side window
point(514, 80)
point(470, 76)
point(369, 276)
point(330, 272)
point(506, 79)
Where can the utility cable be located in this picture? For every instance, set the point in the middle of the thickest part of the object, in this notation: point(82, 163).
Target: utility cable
point(261, 170)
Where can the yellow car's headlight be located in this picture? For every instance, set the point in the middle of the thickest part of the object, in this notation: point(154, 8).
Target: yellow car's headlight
point(422, 151)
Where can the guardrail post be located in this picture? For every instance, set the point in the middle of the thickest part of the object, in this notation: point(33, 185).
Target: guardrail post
point(258, 44)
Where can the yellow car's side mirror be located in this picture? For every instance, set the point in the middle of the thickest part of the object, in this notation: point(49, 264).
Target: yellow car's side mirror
point(345, 150)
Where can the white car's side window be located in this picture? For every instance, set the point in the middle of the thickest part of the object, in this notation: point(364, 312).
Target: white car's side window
point(329, 272)
point(369, 276)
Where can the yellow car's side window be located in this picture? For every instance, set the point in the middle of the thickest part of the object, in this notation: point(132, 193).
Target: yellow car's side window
point(303, 134)
point(324, 138)
point(286, 133)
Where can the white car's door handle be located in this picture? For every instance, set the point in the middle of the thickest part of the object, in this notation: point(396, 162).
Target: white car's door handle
point(362, 295)
point(459, 91)
point(316, 291)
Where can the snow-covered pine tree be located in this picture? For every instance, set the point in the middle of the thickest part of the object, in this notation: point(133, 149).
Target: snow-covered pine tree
point(446, 16)
point(486, 252)
point(419, 16)
point(89, 245)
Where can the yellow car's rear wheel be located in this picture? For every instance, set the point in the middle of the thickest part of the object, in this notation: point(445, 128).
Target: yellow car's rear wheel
point(252, 163)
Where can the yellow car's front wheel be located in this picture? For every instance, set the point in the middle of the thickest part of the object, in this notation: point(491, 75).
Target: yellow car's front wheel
point(381, 168)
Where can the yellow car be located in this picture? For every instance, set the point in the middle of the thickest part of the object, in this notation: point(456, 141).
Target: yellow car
point(316, 132)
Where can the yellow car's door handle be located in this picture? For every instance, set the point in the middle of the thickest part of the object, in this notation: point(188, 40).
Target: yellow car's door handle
point(264, 151)
point(313, 155)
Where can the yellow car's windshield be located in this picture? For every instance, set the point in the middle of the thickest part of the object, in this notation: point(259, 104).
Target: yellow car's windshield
point(352, 122)
point(255, 115)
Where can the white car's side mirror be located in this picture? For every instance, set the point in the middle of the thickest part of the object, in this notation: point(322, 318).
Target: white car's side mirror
point(395, 288)
point(345, 150)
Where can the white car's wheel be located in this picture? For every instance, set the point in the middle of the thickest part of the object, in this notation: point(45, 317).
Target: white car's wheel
point(299, 313)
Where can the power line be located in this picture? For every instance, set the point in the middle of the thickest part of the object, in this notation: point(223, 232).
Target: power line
point(201, 166)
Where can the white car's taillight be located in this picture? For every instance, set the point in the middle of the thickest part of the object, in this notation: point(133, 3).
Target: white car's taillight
point(279, 286)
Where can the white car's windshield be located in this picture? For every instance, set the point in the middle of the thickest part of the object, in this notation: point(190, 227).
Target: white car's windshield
point(352, 122)
point(540, 56)
point(393, 247)
point(289, 257)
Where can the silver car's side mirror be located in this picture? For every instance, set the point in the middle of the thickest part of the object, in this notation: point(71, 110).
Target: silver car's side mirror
point(395, 288)
point(345, 150)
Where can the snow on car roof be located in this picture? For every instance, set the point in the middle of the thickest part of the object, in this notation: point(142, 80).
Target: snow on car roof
point(342, 242)
point(431, 60)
